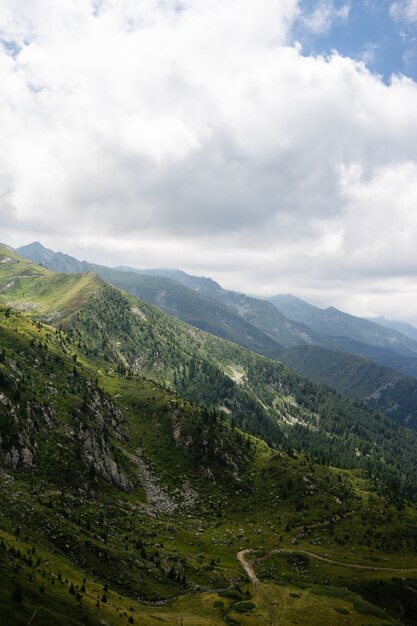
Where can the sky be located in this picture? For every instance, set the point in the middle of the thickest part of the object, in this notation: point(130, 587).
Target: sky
point(271, 145)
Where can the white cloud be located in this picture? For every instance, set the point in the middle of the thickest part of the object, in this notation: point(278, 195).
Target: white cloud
point(368, 55)
point(324, 16)
point(404, 10)
point(195, 134)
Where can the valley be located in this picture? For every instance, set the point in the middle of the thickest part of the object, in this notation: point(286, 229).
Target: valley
point(361, 359)
point(140, 457)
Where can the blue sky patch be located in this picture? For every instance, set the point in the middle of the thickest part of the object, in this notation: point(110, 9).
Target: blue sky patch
point(11, 47)
point(368, 30)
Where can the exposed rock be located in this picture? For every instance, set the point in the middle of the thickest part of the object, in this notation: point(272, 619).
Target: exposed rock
point(98, 453)
point(27, 459)
point(11, 459)
point(157, 497)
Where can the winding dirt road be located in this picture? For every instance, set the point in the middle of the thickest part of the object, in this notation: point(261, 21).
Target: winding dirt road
point(247, 565)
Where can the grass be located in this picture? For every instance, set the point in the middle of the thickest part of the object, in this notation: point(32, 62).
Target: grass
point(238, 494)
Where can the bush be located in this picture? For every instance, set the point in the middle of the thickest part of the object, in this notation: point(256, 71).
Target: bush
point(244, 607)
point(231, 594)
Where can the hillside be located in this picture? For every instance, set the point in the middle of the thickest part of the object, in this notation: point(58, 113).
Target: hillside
point(253, 323)
point(250, 322)
point(118, 494)
point(168, 295)
point(257, 312)
point(359, 378)
point(264, 397)
point(191, 307)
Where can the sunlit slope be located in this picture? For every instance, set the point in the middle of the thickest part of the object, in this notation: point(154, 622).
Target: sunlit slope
point(32, 288)
point(120, 333)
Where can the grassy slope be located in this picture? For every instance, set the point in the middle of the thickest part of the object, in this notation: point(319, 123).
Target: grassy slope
point(54, 535)
point(245, 495)
point(170, 296)
point(32, 288)
point(263, 396)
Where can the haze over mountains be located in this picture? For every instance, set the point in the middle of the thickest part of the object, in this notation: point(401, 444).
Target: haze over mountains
point(359, 358)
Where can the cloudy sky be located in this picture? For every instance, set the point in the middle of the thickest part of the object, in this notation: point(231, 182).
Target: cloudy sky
point(271, 145)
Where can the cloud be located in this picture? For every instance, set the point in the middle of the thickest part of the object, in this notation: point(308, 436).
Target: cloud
point(404, 10)
point(368, 55)
point(324, 15)
point(196, 134)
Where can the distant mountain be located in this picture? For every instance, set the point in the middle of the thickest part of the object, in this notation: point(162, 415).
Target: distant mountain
point(208, 286)
point(54, 261)
point(258, 325)
point(346, 333)
point(253, 323)
point(294, 308)
point(192, 307)
point(336, 323)
point(359, 378)
point(402, 327)
point(259, 313)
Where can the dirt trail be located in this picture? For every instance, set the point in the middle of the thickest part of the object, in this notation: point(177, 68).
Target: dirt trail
point(248, 567)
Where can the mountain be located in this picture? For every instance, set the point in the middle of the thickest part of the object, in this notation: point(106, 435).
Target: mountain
point(257, 312)
point(55, 261)
point(134, 488)
point(208, 286)
point(265, 398)
point(359, 378)
point(240, 319)
point(334, 323)
point(406, 329)
point(343, 332)
point(296, 322)
point(255, 324)
point(194, 308)
point(301, 323)
point(295, 308)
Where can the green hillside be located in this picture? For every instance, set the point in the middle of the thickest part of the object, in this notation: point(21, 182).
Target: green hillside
point(256, 324)
point(253, 323)
point(80, 545)
point(131, 474)
point(262, 396)
point(193, 308)
point(359, 378)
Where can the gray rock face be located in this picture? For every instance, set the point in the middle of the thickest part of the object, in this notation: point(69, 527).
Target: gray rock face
point(30, 419)
point(93, 429)
point(27, 459)
point(11, 459)
point(106, 415)
point(98, 454)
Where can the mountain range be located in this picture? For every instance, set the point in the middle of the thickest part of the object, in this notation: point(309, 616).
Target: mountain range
point(278, 328)
point(155, 473)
